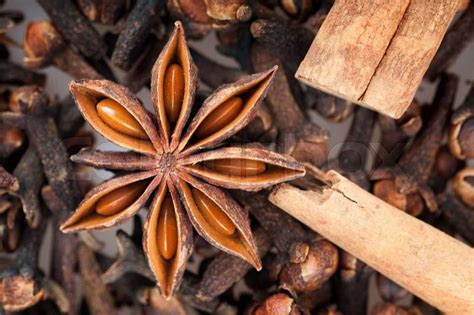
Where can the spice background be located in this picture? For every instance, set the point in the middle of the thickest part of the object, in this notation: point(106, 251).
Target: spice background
point(57, 85)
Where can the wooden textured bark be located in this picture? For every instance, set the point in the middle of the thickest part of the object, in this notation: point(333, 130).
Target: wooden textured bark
point(417, 256)
point(410, 52)
point(364, 47)
point(350, 44)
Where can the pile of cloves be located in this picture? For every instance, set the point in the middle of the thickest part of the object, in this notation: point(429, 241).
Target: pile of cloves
point(421, 163)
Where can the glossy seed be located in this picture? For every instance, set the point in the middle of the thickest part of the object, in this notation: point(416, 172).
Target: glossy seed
point(213, 213)
point(173, 92)
point(237, 167)
point(167, 234)
point(219, 117)
point(117, 117)
point(119, 199)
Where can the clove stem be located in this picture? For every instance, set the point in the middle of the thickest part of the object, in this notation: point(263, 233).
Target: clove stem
point(135, 33)
point(74, 26)
point(97, 295)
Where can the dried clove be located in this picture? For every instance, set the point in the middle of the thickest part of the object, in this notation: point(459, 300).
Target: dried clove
point(389, 290)
point(456, 213)
point(214, 74)
point(152, 297)
point(353, 278)
point(44, 46)
point(193, 15)
point(225, 270)
point(461, 133)
point(64, 256)
point(286, 230)
point(12, 224)
point(446, 166)
point(463, 185)
point(396, 134)
point(30, 185)
point(230, 11)
point(311, 265)
point(8, 181)
point(42, 132)
point(389, 309)
point(95, 290)
point(21, 282)
point(352, 158)
point(11, 73)
point(299, 10)
point(405, 185)
point(283, 40)
point(75, 28)
point(279, 303)
point(298, 136)
point(328, 106)
point(235, 42)
point(130, 260)
point(352, 284)
point(102, 11)
point(135, 33)
point(140, 74)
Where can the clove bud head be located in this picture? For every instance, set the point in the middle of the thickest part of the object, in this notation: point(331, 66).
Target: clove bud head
point(463, 184)
point(29, 98)
point(461, 138)
point(279, 303)
point(298, 9)
point(232, 11)
point(390, 309)
point(19, 292)
point(42, 41)
point(411, 203)
point(389, 290)
point(312, 269)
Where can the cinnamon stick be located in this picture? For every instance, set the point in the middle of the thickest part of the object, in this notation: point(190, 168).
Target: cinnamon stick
point(432, 265)
point(363, 47)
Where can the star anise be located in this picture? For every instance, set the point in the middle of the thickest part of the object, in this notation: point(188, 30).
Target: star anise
point(177, 161)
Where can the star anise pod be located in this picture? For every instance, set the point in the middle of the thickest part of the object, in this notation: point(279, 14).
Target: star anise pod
point(177, 161)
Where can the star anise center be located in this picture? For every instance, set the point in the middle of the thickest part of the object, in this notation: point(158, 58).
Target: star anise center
point(167, 163)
